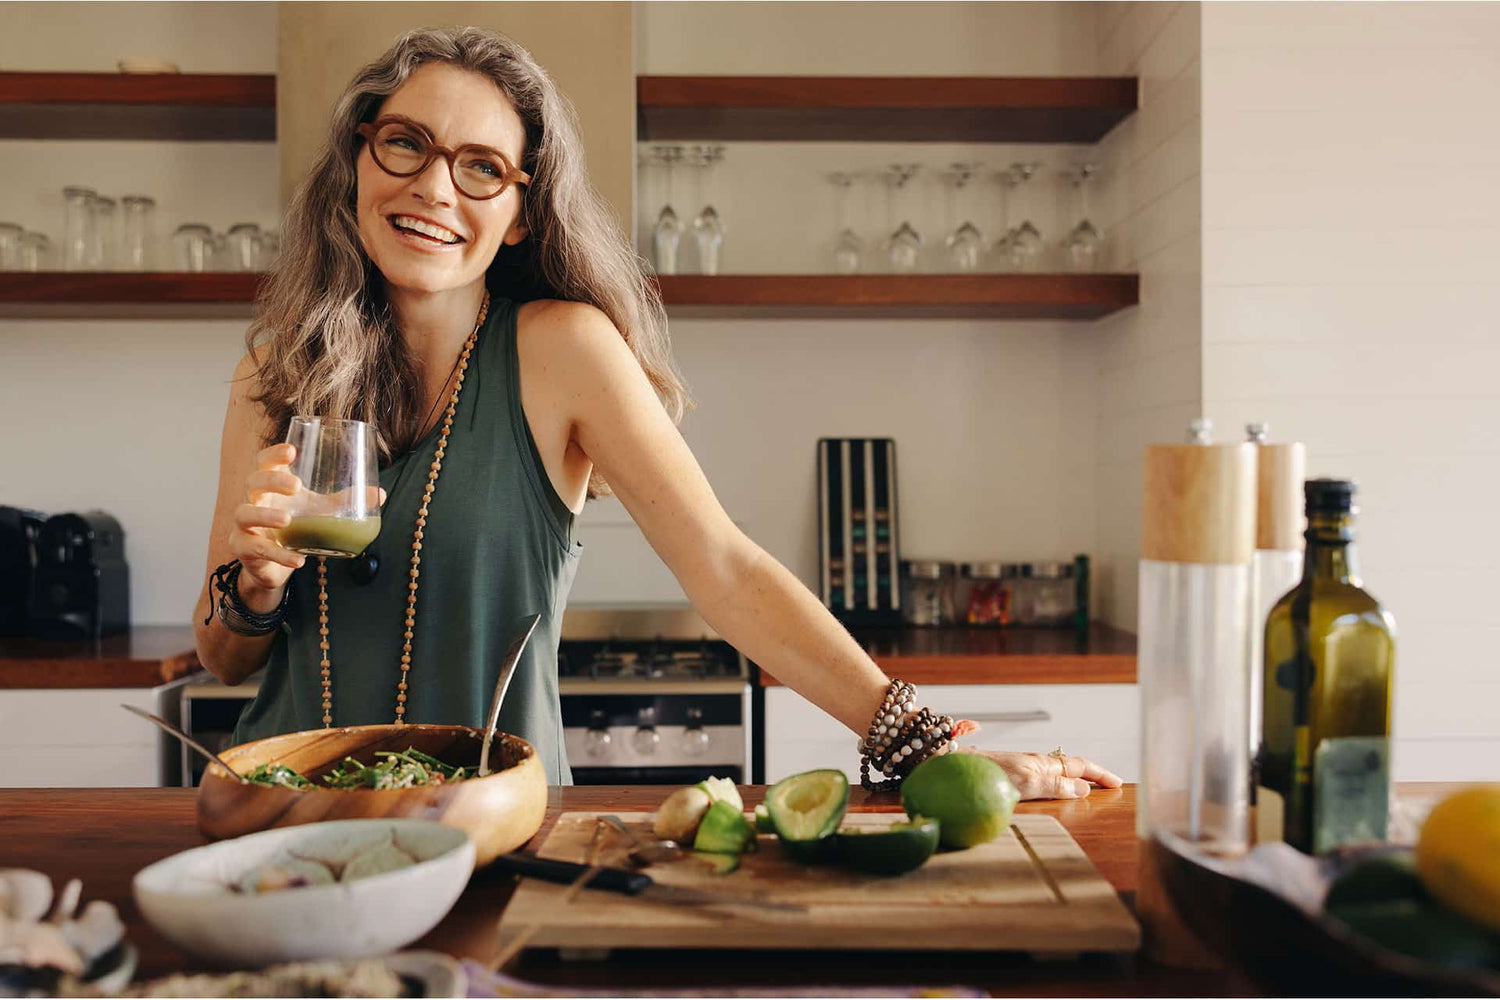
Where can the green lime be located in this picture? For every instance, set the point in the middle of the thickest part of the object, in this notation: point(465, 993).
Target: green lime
point(969, 796)
point(893, 851)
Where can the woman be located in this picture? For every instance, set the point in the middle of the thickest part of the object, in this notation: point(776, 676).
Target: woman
point(449, 275)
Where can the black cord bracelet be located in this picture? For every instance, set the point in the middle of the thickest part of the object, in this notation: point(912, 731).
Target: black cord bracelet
point(238, 616)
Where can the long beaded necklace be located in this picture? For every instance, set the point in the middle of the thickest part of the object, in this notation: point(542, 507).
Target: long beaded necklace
point(326, 668)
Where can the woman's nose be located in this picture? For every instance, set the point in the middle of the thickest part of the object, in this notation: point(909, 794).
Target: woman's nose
point(435, 184)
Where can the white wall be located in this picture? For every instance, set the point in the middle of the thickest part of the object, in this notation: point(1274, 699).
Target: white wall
point(1351, 257)
point(1150, 356)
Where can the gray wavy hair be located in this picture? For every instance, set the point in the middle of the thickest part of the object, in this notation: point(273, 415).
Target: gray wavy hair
point(325, 340)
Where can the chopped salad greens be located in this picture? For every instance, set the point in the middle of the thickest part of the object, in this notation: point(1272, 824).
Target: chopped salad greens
point(409, 768)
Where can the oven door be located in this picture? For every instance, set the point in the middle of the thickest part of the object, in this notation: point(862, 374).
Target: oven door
point(656, 734)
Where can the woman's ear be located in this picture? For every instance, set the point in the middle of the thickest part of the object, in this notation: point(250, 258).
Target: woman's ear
point(516, 234)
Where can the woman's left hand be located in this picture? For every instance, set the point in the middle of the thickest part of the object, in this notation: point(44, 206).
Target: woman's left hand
point(1048, 776)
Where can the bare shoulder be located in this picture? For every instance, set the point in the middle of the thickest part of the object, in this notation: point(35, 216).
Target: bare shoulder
point(554, 329)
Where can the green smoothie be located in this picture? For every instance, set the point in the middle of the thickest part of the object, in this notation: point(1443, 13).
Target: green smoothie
point(322, 535)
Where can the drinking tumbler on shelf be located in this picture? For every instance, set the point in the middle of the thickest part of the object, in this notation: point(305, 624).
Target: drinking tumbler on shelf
point(192, 246)
point(10, 246)
point(33, 252)
point(137, 232)
point(105, 248)
point(78, 227)
point(1197, 541)
point(241, 247)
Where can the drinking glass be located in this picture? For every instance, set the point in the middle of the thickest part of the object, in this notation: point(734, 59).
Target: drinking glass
point(1006, 256)
point(78, 227)
point(33, 252)
point(667, 233)
point(10, 246)
point(708, 228)
point(270, 249)
point(336, 510)
point(1027, 239)
point(137, 235)
point(192, 244)
point(103, 251)
point(965, 242)
point(848, 248)
point(904, 245)
point(1084, 244)
point(242, 247)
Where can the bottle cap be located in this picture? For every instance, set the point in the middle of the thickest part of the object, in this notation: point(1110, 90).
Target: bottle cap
point(1329, 496)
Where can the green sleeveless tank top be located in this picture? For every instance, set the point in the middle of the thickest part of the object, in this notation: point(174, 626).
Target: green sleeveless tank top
point(497, 546)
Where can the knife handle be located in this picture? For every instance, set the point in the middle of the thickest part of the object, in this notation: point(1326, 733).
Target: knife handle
point(566, 872)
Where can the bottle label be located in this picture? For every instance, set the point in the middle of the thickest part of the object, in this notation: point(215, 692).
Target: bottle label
point(1351, 791)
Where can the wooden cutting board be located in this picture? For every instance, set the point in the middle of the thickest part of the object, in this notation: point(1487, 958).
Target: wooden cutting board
point(1032, 890)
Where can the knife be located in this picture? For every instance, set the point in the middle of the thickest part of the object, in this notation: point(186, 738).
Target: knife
point(630, 883)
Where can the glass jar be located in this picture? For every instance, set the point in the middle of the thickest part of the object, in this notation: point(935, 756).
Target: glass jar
point(104, 253)
point(78, 227)
point(137, 232)
point(983, 596)
point(10, 246)
point(927, 592)
point(1044, 594)
point(242, 247)
point(190, 244)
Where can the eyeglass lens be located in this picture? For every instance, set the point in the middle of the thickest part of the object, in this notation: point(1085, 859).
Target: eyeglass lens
point(403, 151)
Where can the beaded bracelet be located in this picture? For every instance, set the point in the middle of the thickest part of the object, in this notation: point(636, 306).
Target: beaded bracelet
point(237, 616)
point(900, 737)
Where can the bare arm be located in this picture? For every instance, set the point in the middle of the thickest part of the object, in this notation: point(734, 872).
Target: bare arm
point(750, 598)
point(242, 530)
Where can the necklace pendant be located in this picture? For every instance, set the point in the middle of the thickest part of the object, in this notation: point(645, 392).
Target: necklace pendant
point(363, 567)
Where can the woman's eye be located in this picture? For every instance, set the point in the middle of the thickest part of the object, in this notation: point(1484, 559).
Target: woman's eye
point(486, 167)
point(404, 142)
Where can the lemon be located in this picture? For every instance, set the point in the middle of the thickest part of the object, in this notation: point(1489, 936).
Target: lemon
point(1458, 853)
point(969, 796)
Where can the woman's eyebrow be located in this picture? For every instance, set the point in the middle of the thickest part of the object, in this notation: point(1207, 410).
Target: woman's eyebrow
point(403, 119)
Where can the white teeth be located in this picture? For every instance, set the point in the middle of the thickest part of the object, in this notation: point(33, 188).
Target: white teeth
point(426, 228)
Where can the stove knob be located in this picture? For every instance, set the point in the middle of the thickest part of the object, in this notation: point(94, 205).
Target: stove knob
point(645, 740)
point(694, 739)
point(597, 741)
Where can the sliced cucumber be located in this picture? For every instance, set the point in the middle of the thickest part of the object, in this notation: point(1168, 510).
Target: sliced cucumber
point(806, 810)
point(724, 830)
point(718, 863)
point(763, 822)
point(893, 851)
point(723, 790)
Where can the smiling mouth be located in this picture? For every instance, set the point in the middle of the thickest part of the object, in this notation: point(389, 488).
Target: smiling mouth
point(426, 231)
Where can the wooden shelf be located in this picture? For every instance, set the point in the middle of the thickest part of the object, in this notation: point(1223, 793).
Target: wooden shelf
point(145, 656)
point(114, 294)
point(964, 655)
point(157, 106)
point(882, 109)
point(984, 296)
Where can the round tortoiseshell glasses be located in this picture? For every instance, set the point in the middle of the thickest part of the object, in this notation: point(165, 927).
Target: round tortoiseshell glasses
point(404, 148)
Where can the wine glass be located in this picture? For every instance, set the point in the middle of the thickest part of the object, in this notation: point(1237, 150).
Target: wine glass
point(1084, 244)
point(1027, 240)
point(336, 509)
point(904, 245)
point(708, 227)
point(667, 233)
point(965, 243)
point(848, 248)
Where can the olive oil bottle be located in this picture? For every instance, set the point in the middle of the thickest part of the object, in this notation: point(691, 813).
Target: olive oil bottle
point(1324, 757)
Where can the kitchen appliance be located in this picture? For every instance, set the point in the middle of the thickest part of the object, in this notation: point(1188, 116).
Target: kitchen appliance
point(82, 584)
point(858, 554)
point(19, 529)
point(652, 696)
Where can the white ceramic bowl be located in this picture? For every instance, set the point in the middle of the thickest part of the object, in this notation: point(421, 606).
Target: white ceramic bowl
point(188, 899)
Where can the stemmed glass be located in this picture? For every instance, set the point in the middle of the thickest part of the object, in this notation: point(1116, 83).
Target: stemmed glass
point(1083, 245)
point(667, 233)
point(905, 243)
point(708, 228)
point(1027, 240)
point(965, 243)
point(336, 510)
point(848, 248)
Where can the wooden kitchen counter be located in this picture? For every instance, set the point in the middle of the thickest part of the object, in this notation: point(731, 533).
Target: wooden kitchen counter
point(969, 655)
point(143, 657)
point(104, 836)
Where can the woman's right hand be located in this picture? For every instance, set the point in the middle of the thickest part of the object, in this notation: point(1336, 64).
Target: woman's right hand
point(266, 565)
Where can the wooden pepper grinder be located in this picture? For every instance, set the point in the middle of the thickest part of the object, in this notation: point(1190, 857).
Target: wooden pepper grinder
point(1197, 541)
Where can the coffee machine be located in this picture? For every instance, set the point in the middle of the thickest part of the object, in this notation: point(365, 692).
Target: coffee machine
point(82, 584)
point(19, 529)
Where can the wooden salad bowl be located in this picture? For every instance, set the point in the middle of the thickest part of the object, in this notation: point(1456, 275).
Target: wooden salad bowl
point(500, 811)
